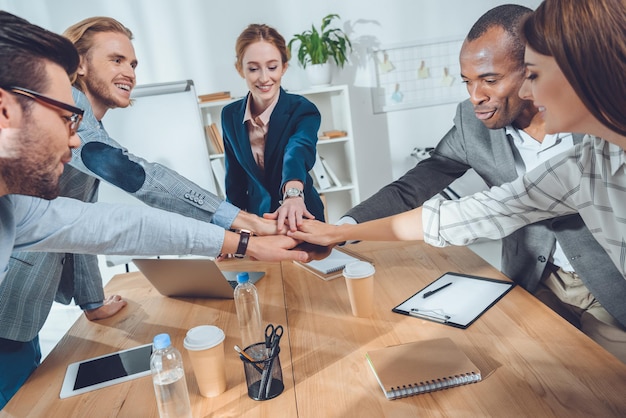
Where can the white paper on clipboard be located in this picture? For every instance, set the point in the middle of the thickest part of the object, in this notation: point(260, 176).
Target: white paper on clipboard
point(460, 303)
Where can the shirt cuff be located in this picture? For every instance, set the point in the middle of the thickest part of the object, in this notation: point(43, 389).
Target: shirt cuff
point(91, 306)
point(225, 215)
point(346, 220)
point(430, 222)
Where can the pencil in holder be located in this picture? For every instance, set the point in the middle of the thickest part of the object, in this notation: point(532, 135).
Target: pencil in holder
point(264, 378)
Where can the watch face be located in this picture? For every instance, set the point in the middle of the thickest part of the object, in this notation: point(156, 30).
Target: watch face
point(293, 192)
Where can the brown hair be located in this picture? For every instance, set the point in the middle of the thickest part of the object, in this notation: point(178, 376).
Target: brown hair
point(81, 34)
point(255, 33)
point(24, 51)
point(587, 38)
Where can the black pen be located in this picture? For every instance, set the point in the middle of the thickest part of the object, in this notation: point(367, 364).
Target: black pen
point(432, 292)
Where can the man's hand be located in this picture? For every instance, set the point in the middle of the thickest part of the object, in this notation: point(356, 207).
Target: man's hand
point(258, 225)
point(110, 307)
point(275, 248)
point(315, 252)
point(268, 226)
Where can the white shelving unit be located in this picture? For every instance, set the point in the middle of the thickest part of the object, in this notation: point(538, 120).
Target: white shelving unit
point(333, 102)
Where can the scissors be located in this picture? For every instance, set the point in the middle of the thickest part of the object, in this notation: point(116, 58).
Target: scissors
point(272, 335)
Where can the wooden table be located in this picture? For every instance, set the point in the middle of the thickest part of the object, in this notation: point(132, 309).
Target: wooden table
point(541, 365)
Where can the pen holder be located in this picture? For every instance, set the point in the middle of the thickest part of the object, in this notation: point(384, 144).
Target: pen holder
point(264, 378)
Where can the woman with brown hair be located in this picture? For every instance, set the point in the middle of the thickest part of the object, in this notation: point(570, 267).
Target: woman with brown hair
point(576, 77)
point(270, 136)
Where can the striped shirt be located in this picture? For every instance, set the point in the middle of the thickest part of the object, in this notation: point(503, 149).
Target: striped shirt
point(589, 179)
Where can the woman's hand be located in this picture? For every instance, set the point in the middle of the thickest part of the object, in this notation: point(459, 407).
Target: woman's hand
point(316, 232)
point(292, 212)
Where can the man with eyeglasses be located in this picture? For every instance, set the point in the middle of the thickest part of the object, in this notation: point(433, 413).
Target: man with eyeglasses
point(37, 134)
point(73, 120)
point(104, 79)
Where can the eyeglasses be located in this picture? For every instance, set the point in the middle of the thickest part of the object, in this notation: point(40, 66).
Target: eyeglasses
point(73, 120)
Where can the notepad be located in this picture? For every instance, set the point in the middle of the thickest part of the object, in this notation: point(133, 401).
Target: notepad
point(463, 299)
point(421, 367)
point(332, 266)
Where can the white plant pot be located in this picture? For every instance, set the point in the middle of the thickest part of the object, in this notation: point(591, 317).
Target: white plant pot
point(319, 74)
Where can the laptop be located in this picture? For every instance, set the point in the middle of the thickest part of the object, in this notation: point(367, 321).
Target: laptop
point(194, 277)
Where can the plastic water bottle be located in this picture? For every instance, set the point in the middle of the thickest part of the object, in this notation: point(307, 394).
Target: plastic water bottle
point(249, 314)
point(168, 377)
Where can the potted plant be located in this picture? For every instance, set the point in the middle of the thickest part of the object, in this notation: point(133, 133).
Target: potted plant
point(317, 47)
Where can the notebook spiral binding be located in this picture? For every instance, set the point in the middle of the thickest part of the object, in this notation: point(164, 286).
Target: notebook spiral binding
point(335, 269)
point(433, 385)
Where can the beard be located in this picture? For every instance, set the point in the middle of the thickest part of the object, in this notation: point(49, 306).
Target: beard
point(100, 90)
point(26, 174)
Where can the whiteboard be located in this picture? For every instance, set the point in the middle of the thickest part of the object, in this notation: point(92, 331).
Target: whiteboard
point(418, 74)
point(163, 125)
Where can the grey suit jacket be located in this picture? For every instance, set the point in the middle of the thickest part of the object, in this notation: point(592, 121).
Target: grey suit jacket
point(35, 280)
point(469, 144)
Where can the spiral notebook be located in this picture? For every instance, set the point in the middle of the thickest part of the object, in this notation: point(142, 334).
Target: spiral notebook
point(421, 367)
point(332, 266)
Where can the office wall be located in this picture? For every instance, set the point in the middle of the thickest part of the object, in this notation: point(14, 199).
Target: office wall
point(194, 39)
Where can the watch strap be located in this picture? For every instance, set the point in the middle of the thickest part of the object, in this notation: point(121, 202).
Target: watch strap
point(244, 238)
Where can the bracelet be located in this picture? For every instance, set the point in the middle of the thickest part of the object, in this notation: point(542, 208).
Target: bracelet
point(244, 238)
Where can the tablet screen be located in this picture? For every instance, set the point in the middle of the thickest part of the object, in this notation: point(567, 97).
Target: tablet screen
point(114, 366)
point(99, 372)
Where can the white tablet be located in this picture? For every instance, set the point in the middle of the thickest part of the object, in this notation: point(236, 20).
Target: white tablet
point(109, 369)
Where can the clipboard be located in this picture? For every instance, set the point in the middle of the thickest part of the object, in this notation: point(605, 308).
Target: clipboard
point(461, 302)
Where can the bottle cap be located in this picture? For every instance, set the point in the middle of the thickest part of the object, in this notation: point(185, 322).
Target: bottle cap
point(203, 337)
point(243, 277)
point(358, 270)
point(161, 341)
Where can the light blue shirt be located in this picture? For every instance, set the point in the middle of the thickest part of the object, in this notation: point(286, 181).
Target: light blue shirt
point(68, 225)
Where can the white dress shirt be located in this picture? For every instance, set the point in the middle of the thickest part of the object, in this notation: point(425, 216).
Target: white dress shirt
point(531, 153)
point(589, 179)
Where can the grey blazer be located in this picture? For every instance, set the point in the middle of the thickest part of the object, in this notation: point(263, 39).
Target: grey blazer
point(469, 144)
point(35, 280)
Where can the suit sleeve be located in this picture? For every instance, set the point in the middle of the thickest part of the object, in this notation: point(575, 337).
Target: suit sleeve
point(429, 177)
point(236, 179)
point(299, 155)
point(101, 156)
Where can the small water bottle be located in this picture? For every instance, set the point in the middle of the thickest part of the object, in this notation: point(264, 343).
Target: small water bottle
point(168, 377)
point(248, 314)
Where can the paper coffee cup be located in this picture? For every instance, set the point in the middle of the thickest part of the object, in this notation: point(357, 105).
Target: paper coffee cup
point(360, 282)
point(205, 346)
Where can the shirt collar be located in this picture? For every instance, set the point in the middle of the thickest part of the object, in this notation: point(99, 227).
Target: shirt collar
point(548, 141)
point(264, 118)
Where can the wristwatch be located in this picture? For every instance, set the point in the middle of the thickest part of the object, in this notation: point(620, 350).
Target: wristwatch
point(292, 192)
point(244, 237)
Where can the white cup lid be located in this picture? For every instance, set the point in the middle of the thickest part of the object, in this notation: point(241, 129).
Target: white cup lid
point(358, 270)
point(203, 337)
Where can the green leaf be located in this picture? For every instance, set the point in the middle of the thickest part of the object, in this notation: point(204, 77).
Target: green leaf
point(317, 47)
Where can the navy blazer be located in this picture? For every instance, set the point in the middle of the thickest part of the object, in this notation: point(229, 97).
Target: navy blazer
point(290, 151)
